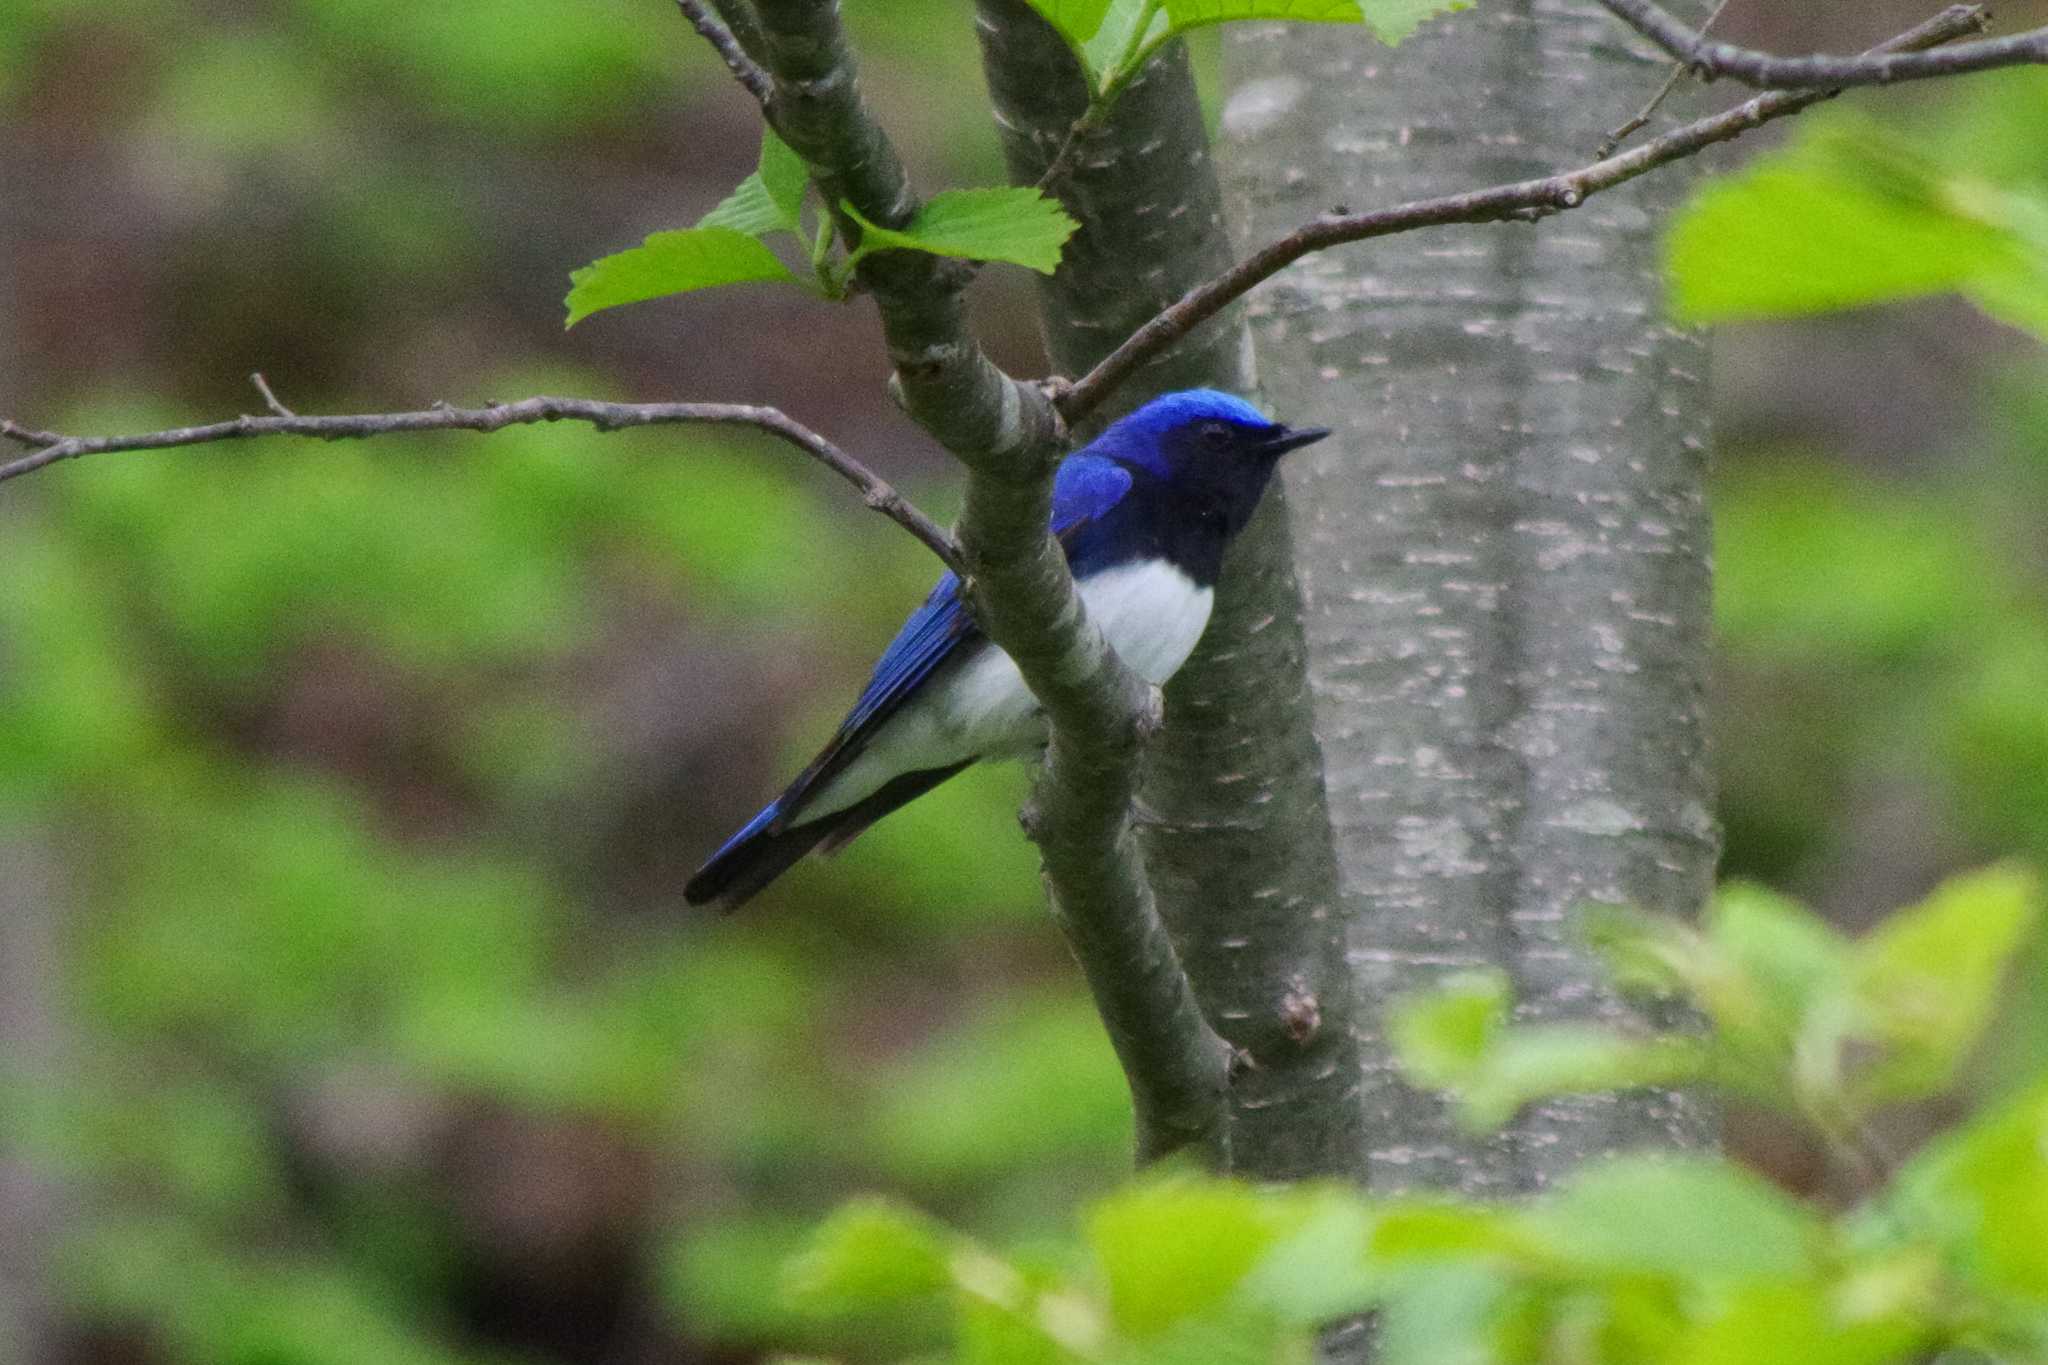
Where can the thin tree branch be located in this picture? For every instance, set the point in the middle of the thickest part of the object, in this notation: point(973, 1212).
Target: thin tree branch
point(1820, 71)
point(270, 400)
point(1523, 201)
point(730, 50)
point(1010, 438)
point(746, 29)
point(1649, 110)
point(47, 447)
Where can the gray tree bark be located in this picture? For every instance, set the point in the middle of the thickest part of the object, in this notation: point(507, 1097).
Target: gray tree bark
point(1235, 835)
point(1505, 550)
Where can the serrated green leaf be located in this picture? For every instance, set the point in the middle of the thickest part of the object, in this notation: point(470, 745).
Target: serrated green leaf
point(1928, 978)
point(1017, 225)
point(1187, 14)
point(1693, 1218)
point(671, 263)
point(747, 209)
point(1393, 20)
point(769, 200)
point(1442, 1037)
point(870, 1253)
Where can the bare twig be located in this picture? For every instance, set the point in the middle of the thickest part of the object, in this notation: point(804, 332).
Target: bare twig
point(1070, 150)
point(1821, 71)
point(1649, 111)
point(729, 49)
point(269, 399)
point(47, 447)
point(1523, 201)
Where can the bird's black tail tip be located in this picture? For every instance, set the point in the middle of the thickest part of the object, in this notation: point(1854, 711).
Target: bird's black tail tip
point(740, 870)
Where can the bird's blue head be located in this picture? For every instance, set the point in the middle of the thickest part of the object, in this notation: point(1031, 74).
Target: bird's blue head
point(1213, 448)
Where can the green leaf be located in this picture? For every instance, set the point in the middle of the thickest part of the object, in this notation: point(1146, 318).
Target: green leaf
point(1442, 1038)
point(1017, 225)
point(870, 1253)
point(1853, 215)
point(747, 209)
point(1982, 1191)
point(1928, 978)
point(1319, 1270)
point(1002, 1334)
point(1171, 1249)
point(1393, 20)
point(1777, 962)
point(1540, 1061)
point(1117, 35)
point(1187, 14)
point(1076, 21)
point(1692, 1218)
point(785, 177)
point(1793, 1322)
point(1645, 954)
point(1447, 1315)
point(769, 200)
point(671, 263)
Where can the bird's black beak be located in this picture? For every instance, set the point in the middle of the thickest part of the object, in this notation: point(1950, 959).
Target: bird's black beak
point(1284, 439)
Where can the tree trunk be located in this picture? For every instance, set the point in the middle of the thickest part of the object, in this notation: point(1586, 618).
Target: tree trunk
point(1236, 837)
point(1505, 549)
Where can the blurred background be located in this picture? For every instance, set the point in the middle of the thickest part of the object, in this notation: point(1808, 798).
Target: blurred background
point(349, 1010)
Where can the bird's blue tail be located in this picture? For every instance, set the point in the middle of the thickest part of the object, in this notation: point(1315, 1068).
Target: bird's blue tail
point(760, 852)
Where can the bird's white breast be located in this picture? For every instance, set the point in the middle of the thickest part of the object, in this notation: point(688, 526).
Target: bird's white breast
point(1151, 613)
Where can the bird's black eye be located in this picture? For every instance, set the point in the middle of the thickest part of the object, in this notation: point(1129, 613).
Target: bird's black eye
point(1216, 435)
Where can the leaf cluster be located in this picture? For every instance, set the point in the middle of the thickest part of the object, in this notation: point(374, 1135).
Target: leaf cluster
point(1641, 1259)
point(1111, 39)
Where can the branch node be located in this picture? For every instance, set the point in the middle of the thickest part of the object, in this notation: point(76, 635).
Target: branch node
point(1031, 819)
point(1301, 1015)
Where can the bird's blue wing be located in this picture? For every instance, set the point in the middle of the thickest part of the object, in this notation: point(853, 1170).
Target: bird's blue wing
point(931, 635)
point(1084, 487)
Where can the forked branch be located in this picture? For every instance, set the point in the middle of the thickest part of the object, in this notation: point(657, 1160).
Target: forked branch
point(1522, 201)
point(1881, 66)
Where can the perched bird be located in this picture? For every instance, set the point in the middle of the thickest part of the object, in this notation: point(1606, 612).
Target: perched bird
point(1144, 512)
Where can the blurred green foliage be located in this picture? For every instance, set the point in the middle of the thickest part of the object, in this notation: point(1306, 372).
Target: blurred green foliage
point(258, 921)
point(1639, 1259)
point(1859, 211)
